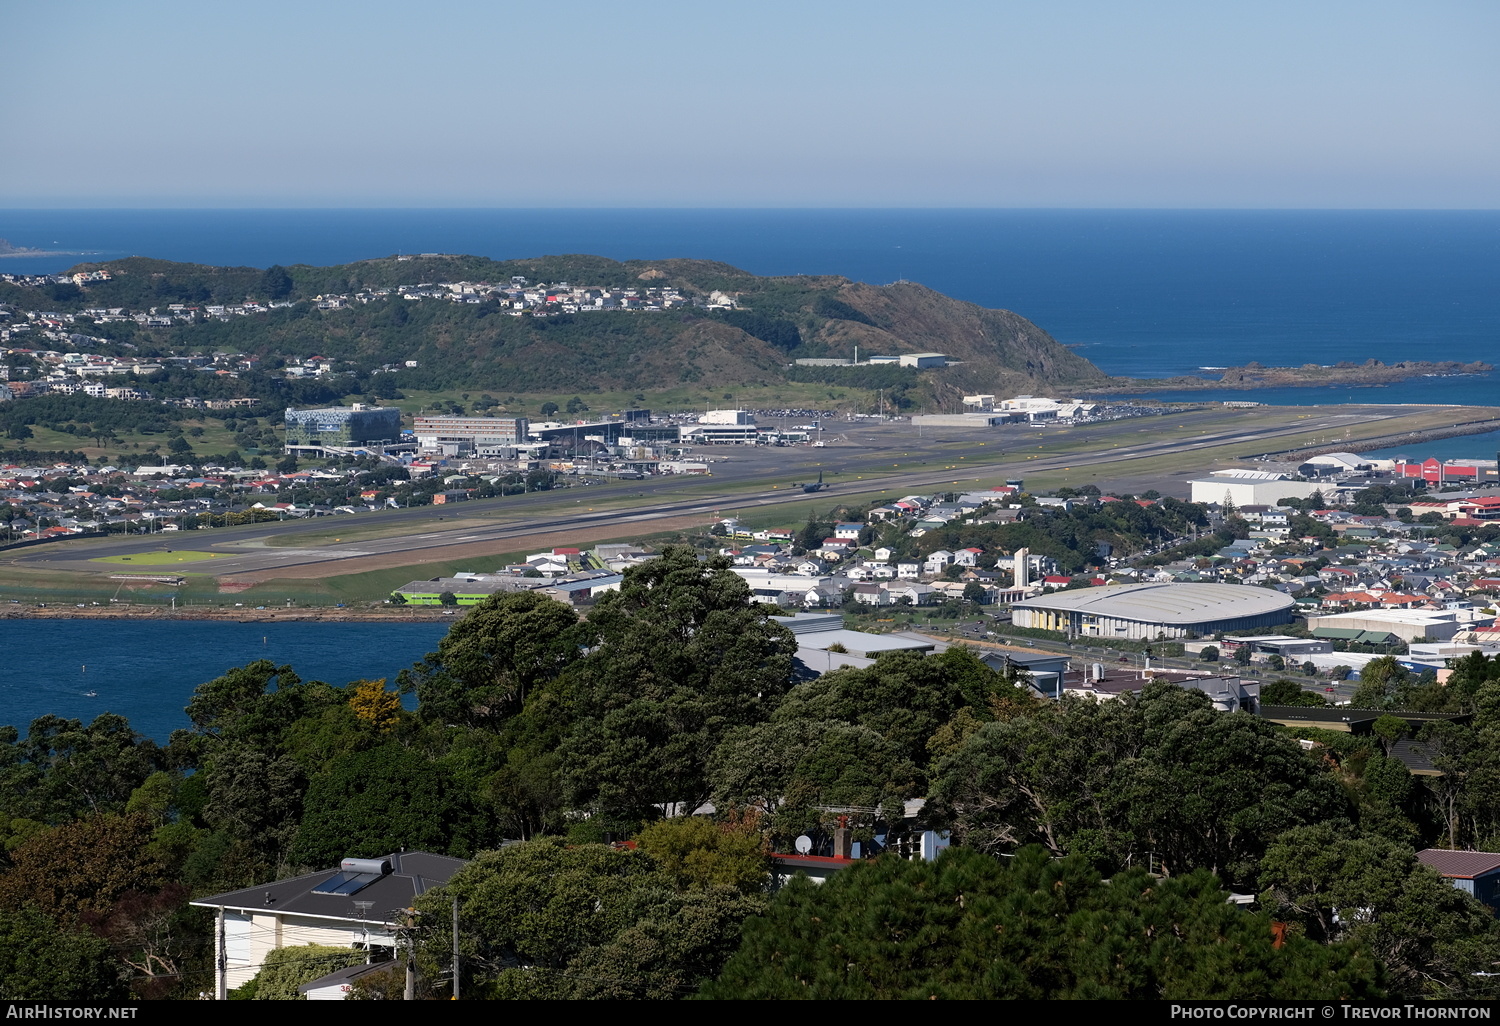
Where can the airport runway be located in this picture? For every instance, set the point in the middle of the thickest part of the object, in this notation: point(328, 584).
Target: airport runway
point(871, 456)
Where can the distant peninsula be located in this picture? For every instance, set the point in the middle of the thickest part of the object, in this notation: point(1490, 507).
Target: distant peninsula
point(561, 324)
point(582, 324)
point(9, 250)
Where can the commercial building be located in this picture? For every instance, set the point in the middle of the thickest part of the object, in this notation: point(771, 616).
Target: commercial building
point(587, 436)
point(1148, 611)
point(1436, 472)
point(458, 435)
point(1250, 488)
point(922, 361)
point(982, 419)
point(722, 427)
point(1039, 409)
point(342, 426)
point(1406, 624)
point(823, 645)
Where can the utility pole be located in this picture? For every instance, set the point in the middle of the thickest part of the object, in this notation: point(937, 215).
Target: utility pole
point(455, 947)
point(410, 993)
point(221, 992)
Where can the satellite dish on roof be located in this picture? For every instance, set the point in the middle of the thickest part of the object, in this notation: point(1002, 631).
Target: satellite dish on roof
point(804, 844)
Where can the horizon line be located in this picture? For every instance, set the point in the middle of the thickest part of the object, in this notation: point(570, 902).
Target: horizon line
point(458, 208)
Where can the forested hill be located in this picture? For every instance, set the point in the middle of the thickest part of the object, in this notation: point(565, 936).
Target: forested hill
point(778, 320)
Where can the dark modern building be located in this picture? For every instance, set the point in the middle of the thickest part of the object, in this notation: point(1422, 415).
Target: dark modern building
point(342, 426)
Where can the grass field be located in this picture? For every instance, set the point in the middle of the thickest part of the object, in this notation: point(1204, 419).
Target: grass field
point(785, 395)
point(134, 444)
point(170, 556)
point(353, 533)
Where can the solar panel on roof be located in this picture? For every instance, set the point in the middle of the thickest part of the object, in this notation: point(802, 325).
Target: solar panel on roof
point(346, 883)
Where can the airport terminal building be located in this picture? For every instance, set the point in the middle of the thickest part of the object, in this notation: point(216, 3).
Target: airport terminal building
point(1145, 612)
point(342, 426)
point(457, 436)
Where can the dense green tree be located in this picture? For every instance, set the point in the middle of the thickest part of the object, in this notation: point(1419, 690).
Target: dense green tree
point(40, 962)
point(698, 852)
point(1467, 754)
point(1161, 776)
point(812, 534)
point(82, 868)
point(518, 771)
point(256, 797)
point(1288, 692)
point(1433, 940)
point(852, 739)
point(276, 283)
point(546, 919)
point(1390, 800)
point(383, 800)
point(1038, 928)
point(274, 710)
point(494, 658)
point(1470, 673)
point(904, 697)
point(676, 658)
point(778, 331)
point(286, 969)
point(1383, 684)
point(797, 771)
point(679, 941)
point(63, 769)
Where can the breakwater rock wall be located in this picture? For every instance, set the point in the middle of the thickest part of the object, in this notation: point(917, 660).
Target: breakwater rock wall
point(1253, 375)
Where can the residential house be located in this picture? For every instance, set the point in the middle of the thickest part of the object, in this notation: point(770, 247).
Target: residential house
point(356, 905)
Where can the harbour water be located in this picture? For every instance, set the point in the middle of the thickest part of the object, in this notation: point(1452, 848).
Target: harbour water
point(146, 670)
point(1463, 447)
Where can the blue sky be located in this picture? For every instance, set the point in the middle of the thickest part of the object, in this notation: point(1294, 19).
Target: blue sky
point(1062, 103)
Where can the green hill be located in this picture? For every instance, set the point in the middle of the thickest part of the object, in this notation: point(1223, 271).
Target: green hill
point(778, 321)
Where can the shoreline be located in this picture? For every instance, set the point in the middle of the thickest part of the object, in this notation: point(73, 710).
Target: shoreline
point(1252, 377)
point(21, 254)
point(422, 614)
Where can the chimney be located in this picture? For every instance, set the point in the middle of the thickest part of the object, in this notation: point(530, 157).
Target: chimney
point(843, 842)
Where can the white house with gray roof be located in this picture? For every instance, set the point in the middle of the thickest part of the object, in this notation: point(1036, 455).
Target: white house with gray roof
point(352, 906)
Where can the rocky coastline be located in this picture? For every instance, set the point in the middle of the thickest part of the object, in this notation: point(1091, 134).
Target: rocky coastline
point(1253, 375)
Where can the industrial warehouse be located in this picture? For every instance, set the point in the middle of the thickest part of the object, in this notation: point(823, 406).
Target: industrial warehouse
point(1149, 611)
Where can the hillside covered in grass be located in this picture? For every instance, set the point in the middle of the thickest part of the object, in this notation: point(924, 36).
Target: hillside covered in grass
point(776, 321)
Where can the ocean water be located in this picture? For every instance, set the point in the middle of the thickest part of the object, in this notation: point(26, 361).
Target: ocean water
point(1463, 447)
point(146, 670)
point(1143, 293)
